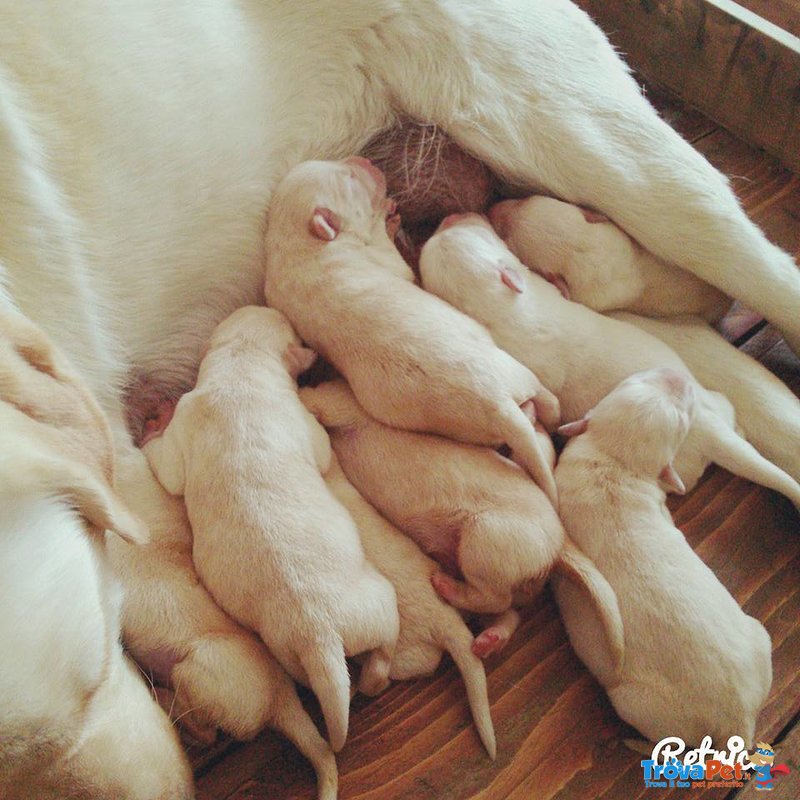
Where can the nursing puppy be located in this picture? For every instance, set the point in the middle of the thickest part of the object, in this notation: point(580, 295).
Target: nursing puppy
point(427, 625)
point(767, 410)
point(277, 552)
point(414, 362)
point(475, 512)
point(694, 663)
point(579, 354)
point(594, 262)
point(75, 715)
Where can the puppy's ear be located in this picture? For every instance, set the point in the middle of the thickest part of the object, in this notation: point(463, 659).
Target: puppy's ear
point(511, 277)
point(670, 477)
point(393, 225)
point(578, 583)
point(92, 498)
point(298, 359)
point(325, 224)
point(95, 501)
point(575, 428)
point(592, 216)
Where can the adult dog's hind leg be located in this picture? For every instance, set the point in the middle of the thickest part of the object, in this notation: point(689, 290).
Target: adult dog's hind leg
point(536, 91)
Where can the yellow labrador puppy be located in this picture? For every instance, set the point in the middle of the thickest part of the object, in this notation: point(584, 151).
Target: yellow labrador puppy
point(271, 543)
point(76, 717)
point(412, 361)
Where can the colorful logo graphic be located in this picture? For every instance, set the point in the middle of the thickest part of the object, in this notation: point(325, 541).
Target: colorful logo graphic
point(764, 768)
point(671, 765)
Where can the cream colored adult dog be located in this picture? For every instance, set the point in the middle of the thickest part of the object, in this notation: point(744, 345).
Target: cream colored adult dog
point(139, 144)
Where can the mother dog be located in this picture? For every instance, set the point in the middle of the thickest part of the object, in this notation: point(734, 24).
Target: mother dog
point(139, 144)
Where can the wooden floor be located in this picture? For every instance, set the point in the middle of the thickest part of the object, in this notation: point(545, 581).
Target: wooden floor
point(558, 736)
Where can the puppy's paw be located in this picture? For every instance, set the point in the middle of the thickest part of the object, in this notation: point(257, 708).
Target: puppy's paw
point(494, 638)
point(487, 643)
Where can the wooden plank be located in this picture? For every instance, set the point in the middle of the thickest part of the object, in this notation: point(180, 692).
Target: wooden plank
point(740, 70)
point(783, 13)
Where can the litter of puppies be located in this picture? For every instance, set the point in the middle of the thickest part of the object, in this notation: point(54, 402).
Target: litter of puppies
point(365, 516)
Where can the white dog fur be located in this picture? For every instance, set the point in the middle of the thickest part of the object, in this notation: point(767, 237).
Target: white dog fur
point(466, 506)
point(604, 269)
point(131, 207)
point(413, 361)
point(596, 263)
point(694, 664)
point(75, 717)
point(272, 545)
point(579, 354)
point(428, 626)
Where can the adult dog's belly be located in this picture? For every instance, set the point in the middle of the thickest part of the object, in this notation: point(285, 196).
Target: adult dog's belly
point(138, 157)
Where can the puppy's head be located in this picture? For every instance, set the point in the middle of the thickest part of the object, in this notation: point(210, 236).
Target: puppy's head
point(570, 246)
point(264, 330)
point(467, 264)
point(642, 422)
point(323, 201)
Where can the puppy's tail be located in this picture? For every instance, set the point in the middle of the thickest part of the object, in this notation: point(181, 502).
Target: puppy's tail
point(725, 447)
point(457, 640)
point(520, 434)
point(577, 570)
point(291, 719)
point(327, 673)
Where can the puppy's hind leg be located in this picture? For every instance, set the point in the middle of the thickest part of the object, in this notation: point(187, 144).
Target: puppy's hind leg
point(468, 597)
point(374, 676)
point(495, 636)
point(544, 100)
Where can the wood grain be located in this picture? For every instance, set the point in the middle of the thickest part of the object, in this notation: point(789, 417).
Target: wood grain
point(738, 69)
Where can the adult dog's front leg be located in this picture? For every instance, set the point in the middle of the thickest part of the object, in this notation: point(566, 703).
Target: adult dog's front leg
point(173, 627)
point(536, 91)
